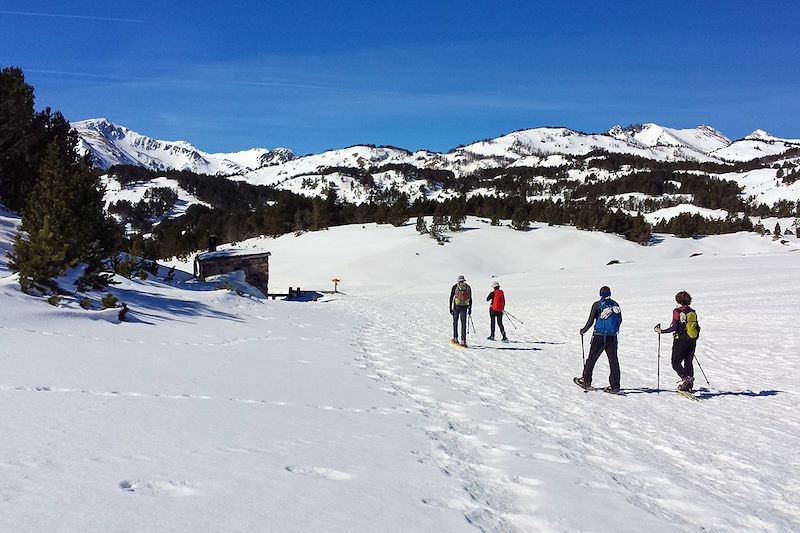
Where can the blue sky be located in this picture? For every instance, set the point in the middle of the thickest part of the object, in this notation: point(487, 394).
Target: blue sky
point(311, 76)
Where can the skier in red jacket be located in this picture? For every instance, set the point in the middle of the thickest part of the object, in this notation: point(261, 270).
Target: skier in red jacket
point(496, 309)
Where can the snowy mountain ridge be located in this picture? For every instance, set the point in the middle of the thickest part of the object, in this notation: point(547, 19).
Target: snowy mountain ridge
point(111, 144)
point(361, 173)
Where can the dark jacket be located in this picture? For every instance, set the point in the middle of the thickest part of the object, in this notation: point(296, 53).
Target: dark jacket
point(453, 295)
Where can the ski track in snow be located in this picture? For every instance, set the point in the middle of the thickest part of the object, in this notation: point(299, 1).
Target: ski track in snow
point(121, 394)
point(212, 343)
point(159, 487)
point(320, 472)
point(697, 462)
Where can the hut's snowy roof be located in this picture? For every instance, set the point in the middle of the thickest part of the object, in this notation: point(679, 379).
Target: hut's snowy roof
point(238, 252)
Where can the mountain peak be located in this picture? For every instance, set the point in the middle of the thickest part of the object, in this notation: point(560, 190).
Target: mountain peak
point(760, 135)
point(111, 144)
point(617, 132)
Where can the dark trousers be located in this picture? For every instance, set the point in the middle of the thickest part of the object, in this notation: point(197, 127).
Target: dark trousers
point(682, 356)
point(498, 316)
point(460, 311)
point(598, 344)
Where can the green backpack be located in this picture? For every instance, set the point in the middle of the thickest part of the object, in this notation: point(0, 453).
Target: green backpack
point(687, 320)
point(463, 294)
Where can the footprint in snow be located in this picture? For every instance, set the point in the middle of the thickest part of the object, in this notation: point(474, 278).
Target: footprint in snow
point(320, 472)
point(152, 487)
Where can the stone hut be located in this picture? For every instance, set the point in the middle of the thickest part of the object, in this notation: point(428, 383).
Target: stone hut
point(255, 265)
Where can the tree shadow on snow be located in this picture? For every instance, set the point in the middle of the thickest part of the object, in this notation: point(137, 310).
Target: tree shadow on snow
point(138, 302)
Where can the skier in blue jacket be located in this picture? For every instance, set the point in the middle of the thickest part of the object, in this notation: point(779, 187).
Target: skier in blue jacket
point(606, 317)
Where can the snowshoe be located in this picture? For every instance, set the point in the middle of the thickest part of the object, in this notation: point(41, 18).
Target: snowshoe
point(490, 338)
point(505, 339)
point(580, 383)
point(685, 385)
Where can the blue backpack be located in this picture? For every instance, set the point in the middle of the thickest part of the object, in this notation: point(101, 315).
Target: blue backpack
point(609, 318)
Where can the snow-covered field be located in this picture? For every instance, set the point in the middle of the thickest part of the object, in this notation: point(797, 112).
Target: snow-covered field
point(214, 412)
point(135, 192)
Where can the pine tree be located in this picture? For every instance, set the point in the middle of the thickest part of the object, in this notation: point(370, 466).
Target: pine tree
point(520, 220)
point(64, 219)
point(458, 215)
point(422, 227)
point(777, 231)
point(397, 215)
point(17, 176)
point(24, 137)
point(39, 257)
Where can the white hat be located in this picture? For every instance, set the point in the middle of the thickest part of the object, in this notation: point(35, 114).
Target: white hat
point(460, 279)
point(495, 284)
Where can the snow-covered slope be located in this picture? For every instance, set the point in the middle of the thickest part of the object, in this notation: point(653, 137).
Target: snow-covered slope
point(136, 192)
point(653, 142)
point(763, 184)
point(111, 144)
point(756, 145)
point(669, 213)
point(213, 412)
point(703, 139)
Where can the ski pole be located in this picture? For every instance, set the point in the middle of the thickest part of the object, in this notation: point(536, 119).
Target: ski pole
point(473, 323)
point(515, 318)
point(658, 379)
point(510, 321)
point(701, 370)
point(583, 352)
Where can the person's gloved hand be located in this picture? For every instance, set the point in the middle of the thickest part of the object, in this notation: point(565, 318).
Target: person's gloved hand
point(657, 329)
point(451, 311)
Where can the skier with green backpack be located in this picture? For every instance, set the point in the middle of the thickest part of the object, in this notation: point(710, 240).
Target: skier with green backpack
point(685, 331)
point(460, 307)
point(607, 318)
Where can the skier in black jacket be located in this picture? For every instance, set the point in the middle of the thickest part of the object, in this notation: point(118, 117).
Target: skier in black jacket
point(460, 306)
